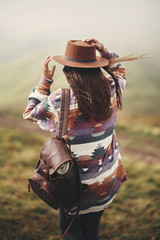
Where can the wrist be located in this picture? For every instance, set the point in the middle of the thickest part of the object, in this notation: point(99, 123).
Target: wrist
point(44, 78)
point(101, 47)
point(45, 83)
point(107, 54)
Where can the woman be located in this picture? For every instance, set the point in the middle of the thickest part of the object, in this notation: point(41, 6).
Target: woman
point(95, 101)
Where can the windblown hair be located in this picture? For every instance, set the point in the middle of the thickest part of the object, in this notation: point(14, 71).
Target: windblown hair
point(92, 91)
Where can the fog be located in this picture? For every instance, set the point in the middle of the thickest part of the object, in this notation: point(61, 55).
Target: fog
point(125, 25)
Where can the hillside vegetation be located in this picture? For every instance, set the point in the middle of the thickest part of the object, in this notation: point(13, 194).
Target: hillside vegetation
point(20, 75)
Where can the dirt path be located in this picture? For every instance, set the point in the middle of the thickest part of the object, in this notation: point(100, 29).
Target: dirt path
point(141, 153)
point(22, 125)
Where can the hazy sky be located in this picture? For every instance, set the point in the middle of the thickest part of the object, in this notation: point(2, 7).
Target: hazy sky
point(29, 24)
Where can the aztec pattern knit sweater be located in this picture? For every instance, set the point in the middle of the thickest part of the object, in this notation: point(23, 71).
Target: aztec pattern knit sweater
point(94, 145)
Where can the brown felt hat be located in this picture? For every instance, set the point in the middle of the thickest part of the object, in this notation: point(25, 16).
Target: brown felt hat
point(82, 55)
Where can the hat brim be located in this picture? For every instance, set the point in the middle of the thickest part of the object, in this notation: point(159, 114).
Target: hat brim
point(100, 62)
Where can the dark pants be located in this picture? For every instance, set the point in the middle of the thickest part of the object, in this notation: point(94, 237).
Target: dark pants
point(84, 227)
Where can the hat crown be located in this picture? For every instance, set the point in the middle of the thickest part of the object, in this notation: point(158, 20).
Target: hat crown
point(80, 51)
point(81, 55)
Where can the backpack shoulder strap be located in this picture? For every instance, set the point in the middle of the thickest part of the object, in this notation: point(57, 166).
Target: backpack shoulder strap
point(64, 112)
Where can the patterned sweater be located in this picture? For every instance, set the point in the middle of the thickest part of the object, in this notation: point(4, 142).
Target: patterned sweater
point(94, 145)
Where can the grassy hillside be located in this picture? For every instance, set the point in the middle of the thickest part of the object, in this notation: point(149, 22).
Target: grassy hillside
point(142, 90)
point(19, 76)
point(134, 214)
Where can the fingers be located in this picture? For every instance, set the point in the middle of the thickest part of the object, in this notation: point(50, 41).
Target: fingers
point(46, 62)
point(91, 41)
point(46, 72)
point(48, 59)
point(95, 42)
point(53, 69)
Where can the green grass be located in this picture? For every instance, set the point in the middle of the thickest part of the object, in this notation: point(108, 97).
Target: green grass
point(133, 215)
point(22, 215)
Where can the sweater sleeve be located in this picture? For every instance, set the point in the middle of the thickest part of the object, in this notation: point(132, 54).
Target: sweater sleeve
point(42, 106)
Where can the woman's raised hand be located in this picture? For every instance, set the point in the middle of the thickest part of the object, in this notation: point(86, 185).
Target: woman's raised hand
point(46, 72)
point(93, 41)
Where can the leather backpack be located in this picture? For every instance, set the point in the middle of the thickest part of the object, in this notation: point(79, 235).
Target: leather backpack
point(56, 178)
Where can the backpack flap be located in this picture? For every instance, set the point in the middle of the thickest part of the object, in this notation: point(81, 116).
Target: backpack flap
point(62, 171)
point(54, 153)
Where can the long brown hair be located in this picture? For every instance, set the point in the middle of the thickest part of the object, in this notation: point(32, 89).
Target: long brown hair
point(92, 91)
point(92, 88)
